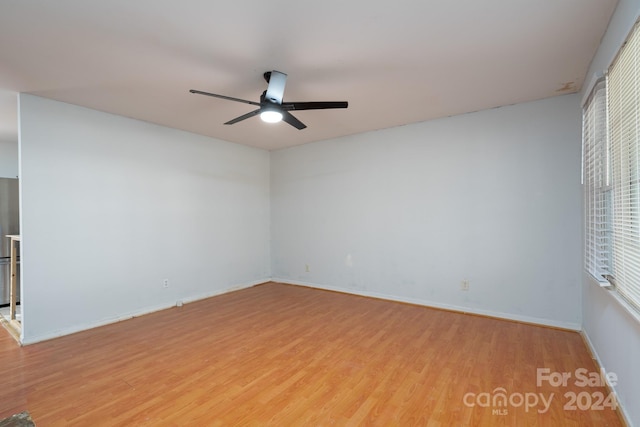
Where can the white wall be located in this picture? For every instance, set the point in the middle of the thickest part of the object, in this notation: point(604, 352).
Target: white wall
point(112, 206)
point(407, 213)
point(8, 159)
point(613, 333)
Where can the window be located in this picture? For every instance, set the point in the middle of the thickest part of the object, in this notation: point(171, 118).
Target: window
point(611, 149)
point(596, 180)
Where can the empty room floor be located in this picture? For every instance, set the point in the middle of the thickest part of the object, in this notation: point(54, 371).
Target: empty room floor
point(282, 355)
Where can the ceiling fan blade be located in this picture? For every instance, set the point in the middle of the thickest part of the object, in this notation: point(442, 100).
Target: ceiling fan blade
point(243, 117)
point(229, 98)
point(275, 91)
point(288, 117)
point(290, 106)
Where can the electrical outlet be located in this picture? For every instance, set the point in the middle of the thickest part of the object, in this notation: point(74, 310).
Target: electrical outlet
point(165, 283)
point(464, 285)
point(307, 269)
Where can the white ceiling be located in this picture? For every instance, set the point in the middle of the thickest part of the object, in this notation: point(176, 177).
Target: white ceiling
point(395, 62)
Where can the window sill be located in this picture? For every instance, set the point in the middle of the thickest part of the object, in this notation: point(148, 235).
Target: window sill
point(613, 293)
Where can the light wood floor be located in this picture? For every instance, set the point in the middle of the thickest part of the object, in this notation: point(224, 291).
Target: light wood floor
point(284, 355)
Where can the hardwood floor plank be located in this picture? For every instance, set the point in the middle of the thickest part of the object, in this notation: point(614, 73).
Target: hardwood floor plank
point(280, 355)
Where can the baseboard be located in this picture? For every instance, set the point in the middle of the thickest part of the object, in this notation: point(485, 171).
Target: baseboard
point(138, 313)
point(594, 354)
point(507, 316)
point(225, 291)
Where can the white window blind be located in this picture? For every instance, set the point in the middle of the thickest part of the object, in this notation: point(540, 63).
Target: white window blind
point(596, 184)
point(623, 111)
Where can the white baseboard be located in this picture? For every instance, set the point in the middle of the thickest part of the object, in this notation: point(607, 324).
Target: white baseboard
point(433, 304)
point(136, 313)
point(224, 291)
point(593, 351)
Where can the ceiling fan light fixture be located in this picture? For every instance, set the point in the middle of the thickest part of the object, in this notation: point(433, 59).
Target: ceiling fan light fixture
point(271, 108)
point(271, 116)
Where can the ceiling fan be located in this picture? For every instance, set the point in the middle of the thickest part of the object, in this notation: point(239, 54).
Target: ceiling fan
point(272, 109)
